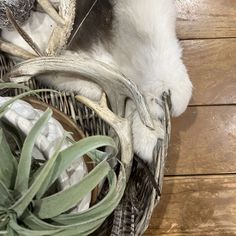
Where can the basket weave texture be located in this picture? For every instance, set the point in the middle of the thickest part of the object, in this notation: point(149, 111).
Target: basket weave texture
point(142, 194)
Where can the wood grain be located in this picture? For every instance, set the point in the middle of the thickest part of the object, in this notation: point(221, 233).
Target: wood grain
point(196, 206)
point(203, 142)
point(212, 69)
point(206, 18)
point(201, 200)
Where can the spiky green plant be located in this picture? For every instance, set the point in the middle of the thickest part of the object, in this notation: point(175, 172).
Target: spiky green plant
point(24, 208)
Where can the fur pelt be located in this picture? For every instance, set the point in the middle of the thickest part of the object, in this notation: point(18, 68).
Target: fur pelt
point(138, 36)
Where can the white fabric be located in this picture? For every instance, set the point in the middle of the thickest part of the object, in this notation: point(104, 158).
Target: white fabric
point(23, 116)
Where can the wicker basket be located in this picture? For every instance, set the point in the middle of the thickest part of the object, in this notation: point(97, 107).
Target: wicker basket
point(143, 190)
point(144, 186)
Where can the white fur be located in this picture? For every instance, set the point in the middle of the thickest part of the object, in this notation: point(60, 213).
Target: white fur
point(148, 52)
point(72, 83)
point(144, 139)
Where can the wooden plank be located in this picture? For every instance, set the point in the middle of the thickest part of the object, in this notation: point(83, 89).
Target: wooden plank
point(203, 141)
point(212, 69)
point(196, 206)
point(206, 18)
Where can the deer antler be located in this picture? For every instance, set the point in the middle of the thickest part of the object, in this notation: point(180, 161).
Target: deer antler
point(121, 126)
point(51, 11)
point(15, 50)
point(62, 33)
point(115, 85)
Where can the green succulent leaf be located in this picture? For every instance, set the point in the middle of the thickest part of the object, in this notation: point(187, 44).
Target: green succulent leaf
point(34, 223)
point(6, 105)
point(10, 231)
point(26, 232)
point(77, 150)
point(20, 206)
point(60, 202)
point(3, 232)
point(12, 85)
point(86, 222)
point(66, 230)
point(6, 199)
point(23, 172)
point(101, 209)
point(54, 206)
point(3, 113)
point(13, 132)
point(86, 229)
point(8, 163)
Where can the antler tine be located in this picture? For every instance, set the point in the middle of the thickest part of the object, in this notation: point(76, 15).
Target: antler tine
point(121, 126)
point(50, 10)
point(116, 86)
point(23, 33)
point(61, 33)
point(15, 50)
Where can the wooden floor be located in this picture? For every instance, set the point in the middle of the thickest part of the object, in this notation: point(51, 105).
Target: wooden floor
point(199, 195)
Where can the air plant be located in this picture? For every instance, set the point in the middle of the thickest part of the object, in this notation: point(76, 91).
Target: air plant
point(26, 207)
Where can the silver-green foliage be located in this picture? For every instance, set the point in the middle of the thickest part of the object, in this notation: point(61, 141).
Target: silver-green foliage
point(24, 207)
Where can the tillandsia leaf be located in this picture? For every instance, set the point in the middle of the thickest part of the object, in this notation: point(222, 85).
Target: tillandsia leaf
point(11, 85)
point(27, 232)
point(71, 229)
point(3, 232)
point(6, 199)
point(89, 221)
point(77, 150)
point(8, 162)
point(20, 206)
point(78, 230)
point(2, 113)
point(10, 101)
point(4, 220)
point(3, 225)
point(95, 212)
point(89, 225)
point(10, 231)
point(97, 155)
point(103, 208)
point(79, 219)
point(60, 202)
point(34, 223)
point(14, 133)
point(24, 166)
